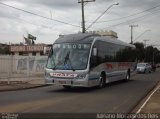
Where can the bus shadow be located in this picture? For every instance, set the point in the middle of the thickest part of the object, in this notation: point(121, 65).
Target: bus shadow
point(118, 83)
point(91, 89)
point(72, 90)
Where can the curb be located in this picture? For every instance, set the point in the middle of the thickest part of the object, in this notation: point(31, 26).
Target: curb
point(23, 88)
point(139, 102)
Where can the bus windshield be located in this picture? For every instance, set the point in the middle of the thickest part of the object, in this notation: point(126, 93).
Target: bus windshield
point(69, 56)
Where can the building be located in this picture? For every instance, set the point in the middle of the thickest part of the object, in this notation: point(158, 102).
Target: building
point(28, 50)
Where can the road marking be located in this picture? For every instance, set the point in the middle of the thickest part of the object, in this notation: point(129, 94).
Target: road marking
point(149, 97)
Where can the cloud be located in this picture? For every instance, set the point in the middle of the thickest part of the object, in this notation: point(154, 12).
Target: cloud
point(16, 23)
point(55, 4)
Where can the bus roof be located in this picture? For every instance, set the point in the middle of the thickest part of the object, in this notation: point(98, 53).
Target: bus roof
point(88, 38)
point(77, 38)
point(115, 41)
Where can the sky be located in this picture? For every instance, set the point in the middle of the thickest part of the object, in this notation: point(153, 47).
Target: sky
point(47, 19)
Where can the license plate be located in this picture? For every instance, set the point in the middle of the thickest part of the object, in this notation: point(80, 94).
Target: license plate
point(62, 82)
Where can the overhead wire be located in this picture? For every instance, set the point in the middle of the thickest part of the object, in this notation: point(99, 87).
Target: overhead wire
point(95, 7)
point(80, 26)
point(132, 20)
point(25, 21)
point(130, 15)
point(99, 17)
point(28, 22)
point(39, 15)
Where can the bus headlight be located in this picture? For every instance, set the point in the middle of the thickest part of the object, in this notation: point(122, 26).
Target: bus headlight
point(81, 76)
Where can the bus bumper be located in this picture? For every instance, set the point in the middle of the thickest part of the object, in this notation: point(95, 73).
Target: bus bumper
point(68, 82)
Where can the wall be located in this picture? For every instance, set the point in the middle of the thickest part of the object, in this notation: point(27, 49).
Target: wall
point(22, 64)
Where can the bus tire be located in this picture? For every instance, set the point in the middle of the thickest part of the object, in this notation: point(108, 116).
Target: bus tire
point(67, 87)
point(128, 76)
point(102, 81)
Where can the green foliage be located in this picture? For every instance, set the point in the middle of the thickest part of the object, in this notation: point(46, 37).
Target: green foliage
point(4, 49)
point(148, 54)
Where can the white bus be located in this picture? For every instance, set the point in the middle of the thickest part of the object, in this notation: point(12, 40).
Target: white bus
point(87, 60)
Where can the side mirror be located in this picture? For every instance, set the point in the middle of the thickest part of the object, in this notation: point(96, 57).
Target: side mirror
point(94, 51)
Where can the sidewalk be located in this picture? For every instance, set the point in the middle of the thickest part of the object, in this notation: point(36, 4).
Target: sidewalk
point(20, 84)
point(153, 105)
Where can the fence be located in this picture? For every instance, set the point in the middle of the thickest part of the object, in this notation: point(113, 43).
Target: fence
point(22, 67)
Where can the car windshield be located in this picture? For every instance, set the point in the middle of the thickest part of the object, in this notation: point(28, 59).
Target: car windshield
point(141, 65)
point(69, 56)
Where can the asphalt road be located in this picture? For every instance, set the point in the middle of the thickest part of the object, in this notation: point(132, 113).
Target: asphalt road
point(118, 97)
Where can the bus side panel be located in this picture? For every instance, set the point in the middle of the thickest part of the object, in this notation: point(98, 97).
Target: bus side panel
point(112, 58)
point(114, 71)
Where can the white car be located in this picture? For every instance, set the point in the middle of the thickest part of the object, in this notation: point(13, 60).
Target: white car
point(143, 68)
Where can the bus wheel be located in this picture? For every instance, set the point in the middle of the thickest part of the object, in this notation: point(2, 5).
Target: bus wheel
point(101, 82)
point(67, 87)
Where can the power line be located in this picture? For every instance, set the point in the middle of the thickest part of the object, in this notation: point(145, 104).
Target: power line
point(155, 42)
point(39, 15)
point(130, 15)
point(132, 20)
point(25, 21)
point(141, 35)
point(101, 15)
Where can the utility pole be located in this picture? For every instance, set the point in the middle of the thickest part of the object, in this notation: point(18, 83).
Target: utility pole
point(83, 18)
point(132, 32)
point(145, 49)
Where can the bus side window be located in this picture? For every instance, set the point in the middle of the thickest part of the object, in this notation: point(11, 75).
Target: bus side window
point(93, 60)
point(50, 52)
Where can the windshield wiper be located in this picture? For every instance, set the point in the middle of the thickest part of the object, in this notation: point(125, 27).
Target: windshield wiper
point(68, 59)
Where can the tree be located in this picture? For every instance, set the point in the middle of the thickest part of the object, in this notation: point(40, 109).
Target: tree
point(4, 49)
point(140, 51)
point(148, 54)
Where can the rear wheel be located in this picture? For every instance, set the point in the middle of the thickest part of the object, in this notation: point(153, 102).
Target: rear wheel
point(128, 76)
